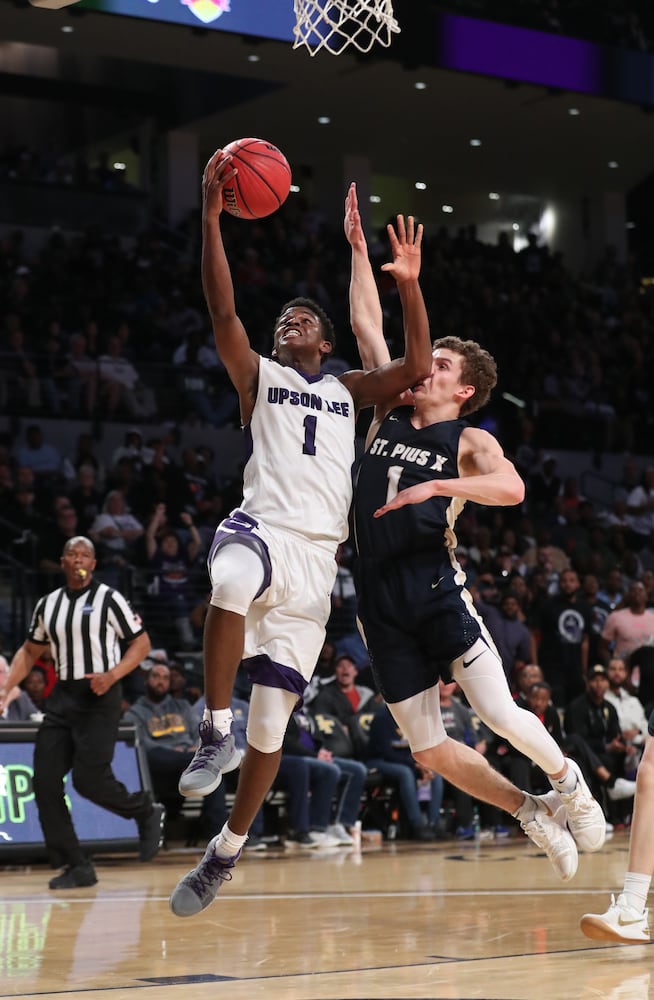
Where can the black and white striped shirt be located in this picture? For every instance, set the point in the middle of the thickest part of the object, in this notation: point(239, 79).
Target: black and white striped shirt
point(83, 628)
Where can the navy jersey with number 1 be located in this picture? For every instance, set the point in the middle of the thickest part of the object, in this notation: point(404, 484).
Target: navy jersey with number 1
point(416, 613)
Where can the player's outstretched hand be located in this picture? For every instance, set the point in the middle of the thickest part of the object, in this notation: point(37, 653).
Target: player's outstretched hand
point(413, 494)
point(217, 173)
point(352, 221)
point(405, 246)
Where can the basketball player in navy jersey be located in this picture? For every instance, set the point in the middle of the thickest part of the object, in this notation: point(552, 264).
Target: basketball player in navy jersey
point(272, 562)
point(422, 462)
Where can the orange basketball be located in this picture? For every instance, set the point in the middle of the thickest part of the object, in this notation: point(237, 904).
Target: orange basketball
point(263, 180)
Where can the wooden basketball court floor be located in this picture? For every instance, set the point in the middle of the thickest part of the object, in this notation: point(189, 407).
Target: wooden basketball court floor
point(487, 920)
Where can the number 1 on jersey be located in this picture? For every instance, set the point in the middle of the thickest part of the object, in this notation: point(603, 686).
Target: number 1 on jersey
point(393, 474)
point(309, 446)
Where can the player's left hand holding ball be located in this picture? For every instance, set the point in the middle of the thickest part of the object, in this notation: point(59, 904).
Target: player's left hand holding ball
point(217, 173)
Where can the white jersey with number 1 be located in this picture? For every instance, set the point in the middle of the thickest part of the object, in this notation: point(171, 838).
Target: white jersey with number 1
point(298, 476)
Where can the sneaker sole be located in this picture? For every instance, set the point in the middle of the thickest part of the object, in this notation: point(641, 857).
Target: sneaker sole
point(584, 843)
point(151, 853)
point(235, 762)
point(597, 930)
point(198, 793)
point(76, 885)
point(588, 846)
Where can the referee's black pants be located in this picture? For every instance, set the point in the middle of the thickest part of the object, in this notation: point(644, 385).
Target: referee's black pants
point(79, 734)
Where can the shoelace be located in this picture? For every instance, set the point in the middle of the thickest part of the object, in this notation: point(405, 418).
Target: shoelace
point(539, 835)
point(209, 871)
point(205, 752)
point(579, 806)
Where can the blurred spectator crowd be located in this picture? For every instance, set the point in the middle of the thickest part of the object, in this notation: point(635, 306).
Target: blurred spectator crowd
point(98, 328)
point(565, 587)
point(101, 330)
point(21, 163)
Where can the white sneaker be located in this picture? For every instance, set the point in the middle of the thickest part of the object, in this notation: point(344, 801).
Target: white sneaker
point(320, 838)
point(547, 828)
point(584, 814)
point(622, 789)
point(619, 923)
point(338, 831)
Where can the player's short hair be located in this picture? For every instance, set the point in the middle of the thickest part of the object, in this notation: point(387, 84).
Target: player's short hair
point(326, 324)
point(478, 368)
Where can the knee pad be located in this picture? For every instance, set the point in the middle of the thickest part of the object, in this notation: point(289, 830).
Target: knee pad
point(419, 718)
point(237, 575)
point(270, 710)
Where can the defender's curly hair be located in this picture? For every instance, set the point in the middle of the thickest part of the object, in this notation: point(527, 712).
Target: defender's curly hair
point(478, 368)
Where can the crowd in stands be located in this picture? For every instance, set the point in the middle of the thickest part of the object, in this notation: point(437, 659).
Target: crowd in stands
point(98, 330)
point(21, 163)
point(564, 585)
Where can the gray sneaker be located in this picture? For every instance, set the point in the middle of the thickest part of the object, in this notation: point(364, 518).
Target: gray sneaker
point(216, 756)
point(198, 888)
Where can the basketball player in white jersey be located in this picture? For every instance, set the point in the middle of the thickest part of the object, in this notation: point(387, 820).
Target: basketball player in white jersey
point(272, 563)
point(412, 599)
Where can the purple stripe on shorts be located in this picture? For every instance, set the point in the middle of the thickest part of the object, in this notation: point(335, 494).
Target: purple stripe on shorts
point(262, 670)
point(238, 528)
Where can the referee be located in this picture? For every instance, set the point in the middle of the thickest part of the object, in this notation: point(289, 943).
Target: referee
point(83, 622)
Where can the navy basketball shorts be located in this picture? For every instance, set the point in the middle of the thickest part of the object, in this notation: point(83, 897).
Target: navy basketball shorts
point(417, 617)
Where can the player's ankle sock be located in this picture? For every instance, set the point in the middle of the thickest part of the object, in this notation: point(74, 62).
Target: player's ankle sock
point(221, 720)
point(636, 888)
point(527, 810)
point(228, 843)
point(567, 783)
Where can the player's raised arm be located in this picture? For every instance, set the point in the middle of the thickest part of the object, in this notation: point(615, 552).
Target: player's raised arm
point(366, 316)
point(232, 344)
point(385, 383)
point(488, 477)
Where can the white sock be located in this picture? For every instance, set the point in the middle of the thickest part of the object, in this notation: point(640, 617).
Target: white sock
point(527, 810)
point(567, 783)
point(636, 888)
point(220, 720)
point(228, 843)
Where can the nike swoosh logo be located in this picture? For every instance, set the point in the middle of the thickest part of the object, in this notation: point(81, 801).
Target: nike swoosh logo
point(392, 418)
point(626, 923)
point(434, 585)
point(470, 662)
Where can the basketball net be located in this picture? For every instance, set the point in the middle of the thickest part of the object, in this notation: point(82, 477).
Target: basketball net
point(332, 25)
